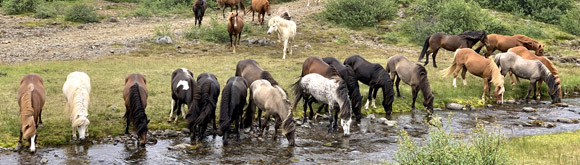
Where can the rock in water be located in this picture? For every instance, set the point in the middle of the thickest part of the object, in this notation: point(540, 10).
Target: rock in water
point(533, 118)
point(179, 146)
point(44, 161)
point(371, 116)
point(561, 104)
point(549, 125)
point(185, 131)
point(163, 40)
point(529, 109)
point(390, 123)
point(437, 109)
point(454, 106)
point(564, 120)
point(170, 133)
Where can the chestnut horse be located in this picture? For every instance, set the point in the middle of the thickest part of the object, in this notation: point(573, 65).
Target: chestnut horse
point(469, 60)
point(437, 41)
point(235, 27)
point(526, 54)
point(401, 68)
point(31, 97)
point(231, 3)
point(261, 7)
point(199, 7)
point(135, 96)
point(504, 43)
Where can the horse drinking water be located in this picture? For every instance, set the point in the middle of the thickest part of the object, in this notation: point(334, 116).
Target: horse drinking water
point(275, 103)
point(232, 106)
point(135, 96)
point(31, 98)
point(209, 91)
point(183, 92)
point(348, 75)
point(401, 68)
point(504, 43)
point(526, 54)
point(76, 91)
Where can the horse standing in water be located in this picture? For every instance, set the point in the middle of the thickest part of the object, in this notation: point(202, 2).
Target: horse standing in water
point(401, 68)
point(448, 42)
point(504, 43)
point(348, 75)
point(135, 96)
point(183, 92)
point(526, 54)
point(31, 98)
point(275, 103)
point(232, 106)
point(375, 76)
point(532, 70)
point(76, 90)
point(469, 60)
point(198, 120)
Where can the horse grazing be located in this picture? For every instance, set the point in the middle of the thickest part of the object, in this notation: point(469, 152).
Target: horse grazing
point(76, 91)
point(348, 75)
point(231, 4)
point(261, 7)
point(199, 7)
point(401, 68)
point(448, 42)
point(284, 12)
point(250, 70)
point(275, 103)
point(286, 30)
point(183, 92)
point(135, 96)
point(232, 105)
point(532, 70)
point(209, 91)
point(329, 91)
point(375, 76)
point(31, 98)
point(235, 27)
point(504, 43)
point(469, 60)
point(526, 54)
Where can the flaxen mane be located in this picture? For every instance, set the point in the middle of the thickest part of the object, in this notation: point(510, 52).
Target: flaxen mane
point(496, 78)
point(27, 113)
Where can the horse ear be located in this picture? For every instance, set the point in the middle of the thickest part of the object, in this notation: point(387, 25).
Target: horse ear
point(148, 121)
point(27, 126)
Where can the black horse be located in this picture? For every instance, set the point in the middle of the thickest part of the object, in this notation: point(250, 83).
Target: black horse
point(198, 120)
point(348, 75)
point(375, 76)
point(232, 105)
point(183, 92)
point(199, 7)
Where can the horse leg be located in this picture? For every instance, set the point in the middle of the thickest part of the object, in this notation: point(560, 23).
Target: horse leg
point(39, 120)
point(214, 123)
point(397, 81)
point(19, 141)
point(285, 48)
point(178, 110)
point(305, 106)
point(534, 88)
point(539, 90)
point(485, 86)
point(74, 134)
point(530, 87)
point(264, 124)
point(260, 116)
point(171, 112)
point(336, 119)
point(330, 119)
point(489, 51)
point(427, 56)
point(184, 110)
point(253, 16)
point(435, 55)
point(463, 72)
point(237, 124)
point(455, 73)
point(415, 92)
point(224, 11)
point(277, 124)
point(310, 101)
point(369, 98)
point(376, 90)
point(239, 37)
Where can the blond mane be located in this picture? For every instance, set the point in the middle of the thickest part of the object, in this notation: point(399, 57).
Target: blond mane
point(27, 113)
point(496, 78)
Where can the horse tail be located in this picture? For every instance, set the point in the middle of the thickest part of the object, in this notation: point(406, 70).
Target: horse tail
point(227, 106)
point(346, 107)
point(135, 102)
point(425, 48)
point(298, 92)
point(267, 76)
point(208, 104)
point(451, 68)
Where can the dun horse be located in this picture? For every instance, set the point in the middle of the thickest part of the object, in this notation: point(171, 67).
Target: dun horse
point(31, 98)
point(183, 92)
point(135, 96)
point(401, 68)
point(286, 30)
point(232, 106)
point(209, 91)
point(504, 43)
point(348, 75)
point(437, 41)
point(275, 103)
point(231, 4)
point(532, 70)
point(526, 54)
point(235, 27)
point(199, 7)
point(261, 7)
point(469, 60)
point(375, 76)
point(76, 91)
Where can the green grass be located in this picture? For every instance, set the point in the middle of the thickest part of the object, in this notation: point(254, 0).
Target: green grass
point(559, 148)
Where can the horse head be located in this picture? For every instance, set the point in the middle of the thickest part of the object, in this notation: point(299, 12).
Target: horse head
point(554, 89)
point(142, 131)
point(273, 23)
point(267, 7)
point(539, 49)
point(82, 124)
point(233, 18)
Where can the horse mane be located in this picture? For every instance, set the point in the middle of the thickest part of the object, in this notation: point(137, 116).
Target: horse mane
point(424, 86)
point(554, 69)
point(230, 18)
point(137, 113)
point(548, 77)
point(473, 35)
point(525, 39)
point(267, 76)
point(79, 108)
point(346, 108)
point(208, 103)
point(27, 112)
point(496, 78)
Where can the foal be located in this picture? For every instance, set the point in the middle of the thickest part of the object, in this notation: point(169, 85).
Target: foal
point(31, 98)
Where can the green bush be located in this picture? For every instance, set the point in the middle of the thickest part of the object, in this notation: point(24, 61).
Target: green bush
point(45, 10)
point(142, 12)
point(163, 30)
point(81, 13)
point(359, 13)
point(216, 32)
point(542, 10)
point(495, 26)
point(445, 147)
point(148, 8)
point(18, 6)
point(569, 22)
point(457, 16)
point(531, 31)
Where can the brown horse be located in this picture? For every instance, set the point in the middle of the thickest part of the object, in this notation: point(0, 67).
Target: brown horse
point(231, 3)
point(261, 7)
point(437, 41)
point(235, 27)
point(504, 43)
point(199, 7)
point(526, 54)
point(31, 97)
point(469, 60)
point(135, 96)
point(401, 68)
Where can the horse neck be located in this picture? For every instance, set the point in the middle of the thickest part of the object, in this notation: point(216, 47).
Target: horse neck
point(425, 89)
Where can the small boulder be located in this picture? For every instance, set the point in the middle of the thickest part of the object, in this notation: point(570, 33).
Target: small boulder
point(112, 19)
point(489, 106)
point(308, 47)
point(513, 117)
point(549, 125)
point(521, 123)
point(371, 116)
point(382, 120)
point(533, 118)
point(529, 109)
point(390, 123)
point(510, 101)
point(185, 131)
point(560, 104)
point(163, 40)
point(170, 133)
point(454, 106)
point(179, 146)
point(43, 160)
point(437, 109)
point(564, 120)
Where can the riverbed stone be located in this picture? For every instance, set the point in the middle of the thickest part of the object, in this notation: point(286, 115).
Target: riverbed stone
point(179, 146)
point(371, 116)
point(564, 120)
point(533, 117)
point(521, 123)
point(454, 106)
point(549, 125)
point(170, 133)
point(529, 109)
point(489, 106)
point(437, 109)
point(382, 120)
point(185, 131)
point(43, 160)
point(510, 101)
point(560, 104)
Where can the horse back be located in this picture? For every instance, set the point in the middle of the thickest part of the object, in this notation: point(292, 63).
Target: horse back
point(34, 84)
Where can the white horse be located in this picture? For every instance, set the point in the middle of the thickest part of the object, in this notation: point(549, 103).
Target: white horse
point(286, 30)
point(76, 91)
point(329, 91)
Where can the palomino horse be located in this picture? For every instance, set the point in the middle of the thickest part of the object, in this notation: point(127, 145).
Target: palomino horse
point(31, 97)
point(314, 65)
point(532, 70)
point(76, 91)
point(261, 7)
point(401, 68)
point(275, 103)
point(135, 96)
point(284, 12)
point(469, 60)
point(183, 92)
point(235, 27)
point(348, 75)
point(198, 120)
point(450, 42)
point(504, 43)
point(329, 91)
point(232, 105)
point(250, 70)
point(375, 76)
point(231, 3)
point(286, 30)
point(199, 7)
point(526, 54)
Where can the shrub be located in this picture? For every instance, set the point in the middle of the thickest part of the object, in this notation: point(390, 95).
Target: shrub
point(359, 13)
point(142, 12)
point(163, 30)
point(531, 30)
point(457, 16)
point(569, 22)
point(81, 13)
point(163, 7)
point(542, 10)
point(445, 147)
point(18, 6)
point(45, 10)
point(216, 32)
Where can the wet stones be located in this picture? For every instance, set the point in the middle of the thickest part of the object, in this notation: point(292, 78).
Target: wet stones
point(535, 123)
point(533, 117)
point(510, 101)
point(371, 116)
point(43, 160)
point(437, 109)
point(170, 133)
point(489, 106)
point(454, 106)
point(560, 104)
point(185, 131)
point(529, 109)
point(179, 146)
point(567, 120)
